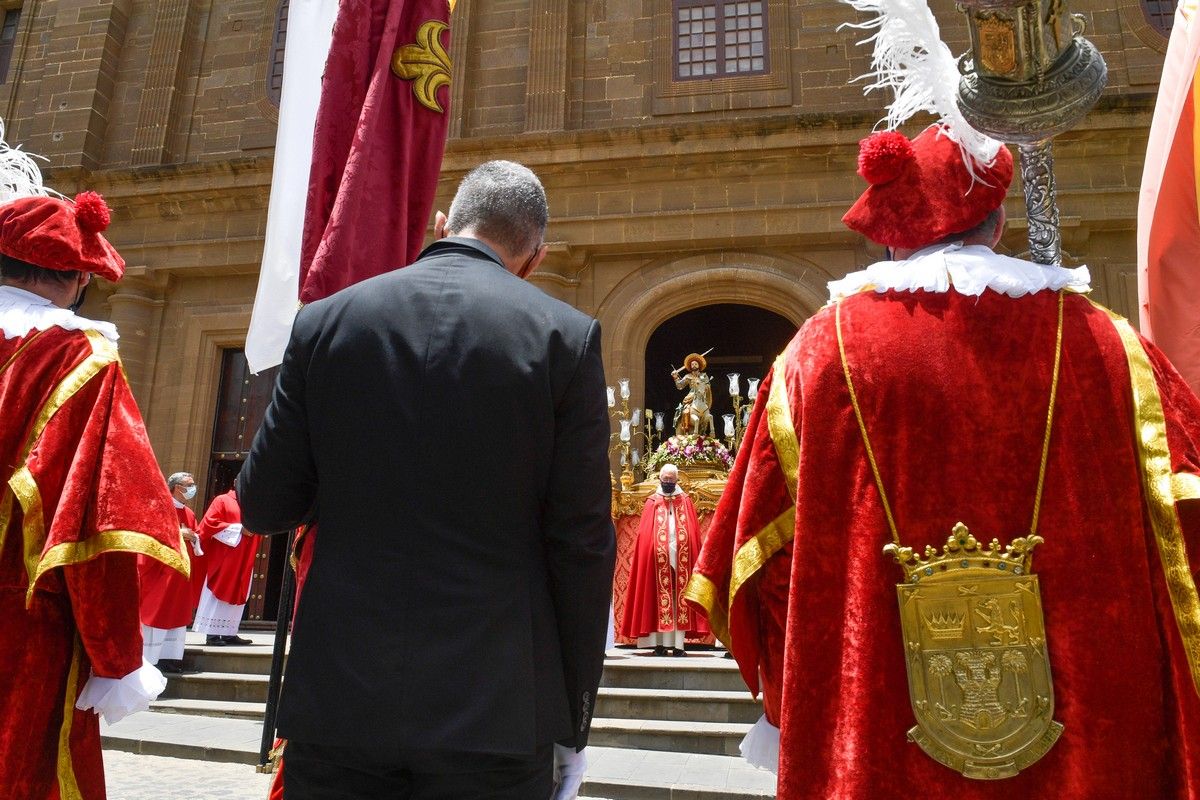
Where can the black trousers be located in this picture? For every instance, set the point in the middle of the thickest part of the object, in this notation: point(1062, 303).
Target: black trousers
point(320, 772)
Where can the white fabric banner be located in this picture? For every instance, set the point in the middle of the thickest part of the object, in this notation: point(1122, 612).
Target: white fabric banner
point(309, 31)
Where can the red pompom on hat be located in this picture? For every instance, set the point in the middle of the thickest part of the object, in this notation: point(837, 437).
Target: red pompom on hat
point(922, 193)
point(62, 235)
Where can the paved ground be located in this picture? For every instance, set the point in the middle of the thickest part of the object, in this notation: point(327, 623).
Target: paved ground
point(134, 777)
point(137, 777)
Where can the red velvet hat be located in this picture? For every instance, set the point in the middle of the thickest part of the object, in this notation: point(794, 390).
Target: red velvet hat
point(921, 191)
point(59, 234)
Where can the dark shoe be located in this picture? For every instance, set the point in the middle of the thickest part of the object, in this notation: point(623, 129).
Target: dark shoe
point(660, 651)
point(678, 653)
point(215, 641)
point(170, 666)
point(236, 640)
point(727, 654)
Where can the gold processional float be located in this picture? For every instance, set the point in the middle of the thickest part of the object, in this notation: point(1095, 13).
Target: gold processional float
point(645, 440)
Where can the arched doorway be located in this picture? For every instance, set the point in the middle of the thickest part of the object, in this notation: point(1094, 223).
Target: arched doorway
point(744, 339)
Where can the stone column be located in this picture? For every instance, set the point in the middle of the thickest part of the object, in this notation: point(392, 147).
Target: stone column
point(546, 98)
point(136, 309)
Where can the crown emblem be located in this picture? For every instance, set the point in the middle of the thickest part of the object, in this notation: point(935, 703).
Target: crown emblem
point(945, 625)
point(963, 554)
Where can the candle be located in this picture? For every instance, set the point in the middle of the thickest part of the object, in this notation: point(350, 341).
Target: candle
point(753, 391)
point(625, 432)
point(729, 430)
point(622, 459)
point(734, 386)
point(658, 421)
point(612, 397)
point(624, 383)
point(635, 458)
point(637, 418)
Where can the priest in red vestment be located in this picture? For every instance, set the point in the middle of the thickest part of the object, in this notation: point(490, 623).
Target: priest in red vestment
point(667, 541)
point(166, 600)
point(962, 408)
point(81, 498)
point(231, 551)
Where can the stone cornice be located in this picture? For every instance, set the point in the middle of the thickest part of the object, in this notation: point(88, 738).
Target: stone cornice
point(727, 137)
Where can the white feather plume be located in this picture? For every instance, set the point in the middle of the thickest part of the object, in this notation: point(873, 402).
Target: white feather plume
point(911, 59)
point(19, 173)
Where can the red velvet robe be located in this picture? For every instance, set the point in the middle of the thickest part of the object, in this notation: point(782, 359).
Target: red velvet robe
point(954, 391)
point(229, 568)
point(655, 600)
point(82, 497)
point(166, 600)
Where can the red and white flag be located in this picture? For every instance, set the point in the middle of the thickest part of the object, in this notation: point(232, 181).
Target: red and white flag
point(1168, 233)
point(371, 169)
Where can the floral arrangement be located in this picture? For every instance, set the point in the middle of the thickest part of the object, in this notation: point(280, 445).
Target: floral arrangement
point(689, 450)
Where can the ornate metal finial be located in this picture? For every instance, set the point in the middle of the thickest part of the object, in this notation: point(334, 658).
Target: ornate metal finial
point(1030, 75)
point(963, 555)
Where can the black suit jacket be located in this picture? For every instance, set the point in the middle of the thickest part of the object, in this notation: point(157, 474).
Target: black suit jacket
point(446, 425)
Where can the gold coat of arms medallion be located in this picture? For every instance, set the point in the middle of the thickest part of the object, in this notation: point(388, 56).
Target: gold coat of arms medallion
point(997, 45)
point(975, 646)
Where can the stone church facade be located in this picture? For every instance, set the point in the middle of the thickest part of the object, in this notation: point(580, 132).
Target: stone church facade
point(696, 153)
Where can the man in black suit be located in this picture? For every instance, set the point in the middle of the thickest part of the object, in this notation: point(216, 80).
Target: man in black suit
point(446, 424)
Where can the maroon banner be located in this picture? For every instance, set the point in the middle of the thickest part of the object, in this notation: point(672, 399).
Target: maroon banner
point(378, 142)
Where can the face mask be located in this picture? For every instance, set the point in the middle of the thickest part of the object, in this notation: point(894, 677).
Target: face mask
point(668, 487)
point(189, 493)
point(74, 307)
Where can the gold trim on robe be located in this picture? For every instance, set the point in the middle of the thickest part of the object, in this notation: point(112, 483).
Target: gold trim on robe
point(68, 553)
point(755, 553)
point(68, 787)
point(1185, 486)
point(1159, 483)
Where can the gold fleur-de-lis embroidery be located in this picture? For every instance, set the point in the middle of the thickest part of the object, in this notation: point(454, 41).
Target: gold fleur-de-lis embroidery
point(426, 64)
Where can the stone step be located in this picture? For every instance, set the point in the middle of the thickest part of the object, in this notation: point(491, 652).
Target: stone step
point(703, 672)
point(614, 773)
point(218, 687)
point(710, 738)
point(222, 678)
point(629, 704)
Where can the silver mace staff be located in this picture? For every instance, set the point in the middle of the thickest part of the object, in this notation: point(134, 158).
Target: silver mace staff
point(1029, 76)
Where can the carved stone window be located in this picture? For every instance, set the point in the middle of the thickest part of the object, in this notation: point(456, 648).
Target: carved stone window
point(734, 54)
point(720, 38)
point(1160, 14)
point(8, 39)
point(275, 69)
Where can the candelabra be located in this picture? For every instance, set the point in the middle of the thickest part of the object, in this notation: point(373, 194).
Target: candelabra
point(735, 423)
point(631, 424)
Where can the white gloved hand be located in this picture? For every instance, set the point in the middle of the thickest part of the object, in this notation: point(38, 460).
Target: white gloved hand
point(570, 768)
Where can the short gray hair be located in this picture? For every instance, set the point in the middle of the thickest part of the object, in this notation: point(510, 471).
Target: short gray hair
point(177, 478)
point(504, 202)
point(674, 470)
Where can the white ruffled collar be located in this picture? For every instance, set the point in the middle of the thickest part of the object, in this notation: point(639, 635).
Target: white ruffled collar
point(968, 270)
point(22, 311)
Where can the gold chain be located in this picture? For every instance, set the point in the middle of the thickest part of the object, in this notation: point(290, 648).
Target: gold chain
point(862, 426)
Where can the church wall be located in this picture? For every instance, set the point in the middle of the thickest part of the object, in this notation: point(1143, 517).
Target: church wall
point(665, 196)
